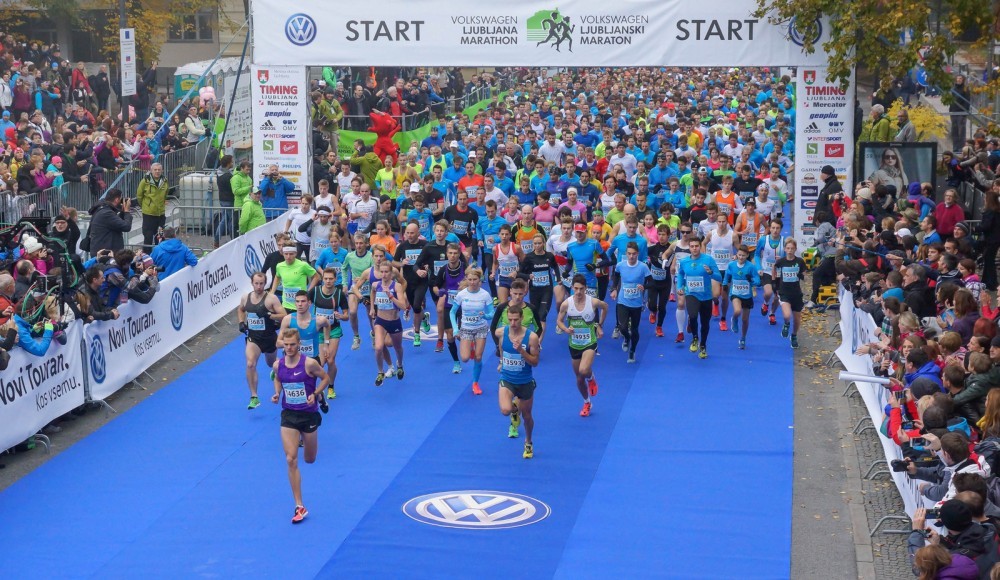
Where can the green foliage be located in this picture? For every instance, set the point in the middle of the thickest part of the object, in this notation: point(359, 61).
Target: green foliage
point(865, 34)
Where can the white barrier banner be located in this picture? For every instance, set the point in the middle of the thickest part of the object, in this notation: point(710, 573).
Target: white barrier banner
point(187, 303)
point(239, 130)
point(526, 33)
point(282, 134)
point(35, 390)
point(824, 129)
point(858, 328)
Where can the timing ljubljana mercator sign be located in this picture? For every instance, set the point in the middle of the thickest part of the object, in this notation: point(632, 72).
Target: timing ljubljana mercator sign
point(279, 98)
point(824, 120)
point(526, 33)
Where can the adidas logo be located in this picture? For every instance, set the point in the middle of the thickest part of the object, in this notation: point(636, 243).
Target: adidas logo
point(812, 128)
point(267, 126)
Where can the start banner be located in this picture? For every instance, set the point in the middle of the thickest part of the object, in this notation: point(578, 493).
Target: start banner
point(187, 302)
point(34, 390)
point(528, 33)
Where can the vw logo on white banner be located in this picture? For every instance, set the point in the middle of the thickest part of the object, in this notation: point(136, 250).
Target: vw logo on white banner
point(176, 309)
point(251, 261)
point(98, 366)
point(798, 35)
point(300, 29)
point(476, 510)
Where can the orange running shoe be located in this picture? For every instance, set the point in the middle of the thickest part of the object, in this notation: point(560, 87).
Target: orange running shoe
point(680, 337)
point(723, 326)
point(659, 332)
point(300, 514)
point(652, 318)
point(476, 390)
point(585, 411)
point(715, 310)
point(592, 385)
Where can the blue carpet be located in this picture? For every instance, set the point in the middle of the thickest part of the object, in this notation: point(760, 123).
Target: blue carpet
point(681, 461)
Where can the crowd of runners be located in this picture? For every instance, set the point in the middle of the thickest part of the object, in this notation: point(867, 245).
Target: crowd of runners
point(640, 195)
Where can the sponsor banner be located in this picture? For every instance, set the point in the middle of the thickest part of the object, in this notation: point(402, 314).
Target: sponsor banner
point(187, 302)
point(240, 130)
point(279, 101)
point(34, 390)
point(857, 328)
point(526, 32)
point(824, 115)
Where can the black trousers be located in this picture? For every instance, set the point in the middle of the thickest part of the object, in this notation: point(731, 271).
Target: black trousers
point(658, 297)
point(699, 312)
point(628, 324)
point(151, 225)
point(824, 275)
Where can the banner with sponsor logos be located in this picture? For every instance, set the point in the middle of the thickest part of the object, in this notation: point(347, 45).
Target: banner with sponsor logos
point(824, 135)
point(282, 134)
point(857, 328)
point(187, 303)
point(527, 33)
point(239, 133)
point(34, 390)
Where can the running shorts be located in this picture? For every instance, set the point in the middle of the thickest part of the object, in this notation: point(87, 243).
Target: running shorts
point(266, 344)
point(301, 421)
point(390, 326)
point(523, 392)
point(474, 334)
point(795, 300)
point(577, 353)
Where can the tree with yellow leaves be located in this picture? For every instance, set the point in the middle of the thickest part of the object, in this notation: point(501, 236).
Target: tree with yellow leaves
point(930, 124)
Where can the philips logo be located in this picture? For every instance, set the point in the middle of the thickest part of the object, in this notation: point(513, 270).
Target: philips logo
point(176, 309)
point(476, 510)
point(300, 29)
point(812, 128)
point(98, 365)
point(277, 114)
point(251, 261)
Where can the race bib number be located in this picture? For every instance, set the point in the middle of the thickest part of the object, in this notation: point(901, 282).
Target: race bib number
point(254, 322)
point(592, 292)
point(725, 208)
point(507, 270)
point(295, 393)
point(766, 265)
point(631, 291)
point(576, 214)
point(366, 288)
point(540, 278)
point(288, 295)
point(438, 264)
point(512, 361)
point(459, 228)
point(327, 312)
point(581, 336)
point(471, 320)
point(721, 256)
point(410, 257)
point(527, 246)
point(491, 240)
point(451, 295)
point(382, 301)
point(307, 348)
point(741, 287)
point(789, 274)
point(546, 227)
point(658, 273)
point(696, 284)
point(750, 240)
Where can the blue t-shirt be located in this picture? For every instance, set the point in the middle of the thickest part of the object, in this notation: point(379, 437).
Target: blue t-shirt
point(632, 277)
point(425, 221)
point(335, 260)
point(488, 230)
point(741, 279)
point(583, 254)
point(692, 277)
point(621, 241)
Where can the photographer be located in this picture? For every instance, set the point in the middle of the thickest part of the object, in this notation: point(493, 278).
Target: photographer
point(826, 248)
point(89, 297)
point(110, 219)
point(952, 448)
point(143, 283)
point(831, 189)
point(963, 536)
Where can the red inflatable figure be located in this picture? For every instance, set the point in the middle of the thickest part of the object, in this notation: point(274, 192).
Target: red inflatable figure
point(385, 126)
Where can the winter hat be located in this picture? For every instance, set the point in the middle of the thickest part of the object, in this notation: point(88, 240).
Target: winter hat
point(955, 515)
point(56, 159)
point(828, 170)
point(922, 386)
point(864, 193)
point(31, 245)
point(913, 190)
point(964, 227)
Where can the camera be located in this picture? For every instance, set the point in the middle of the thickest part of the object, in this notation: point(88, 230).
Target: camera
point(899, 465)
point(907, 425)
point(933, 514)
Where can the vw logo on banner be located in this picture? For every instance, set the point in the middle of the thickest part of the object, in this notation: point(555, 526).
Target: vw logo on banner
point(176, 309)
point(798, 36)
point(476, 510)
point(251, 261)
point(98, 366)
point(300, 29)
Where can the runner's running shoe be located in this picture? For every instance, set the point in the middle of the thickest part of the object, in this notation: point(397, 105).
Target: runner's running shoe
point(379, 379)
point(723, 326)
point(585, 411)
point(625, 344)
point(299, 515)
point(631, 358)
point(456, 368)
point(426, 324)
point(476, 390)
point(736, 324)
point(715, 310)
point(680, 337)
point(652, 318)
point(529, 451)
point(616, 334)
point(795, 341)
point(254, 403)
point(330, 393)
point(515, 422)
point(784, 330)
point(694, 345)
point(356, 343)
point(406, 315)
point(743, 344)
point(399, 372)
point(659, 332)
point(323, 405)
point(772, 320)
point(763, 309)
point(416, 338)
point(703, 353)
point(439, 346)
point(592, 385)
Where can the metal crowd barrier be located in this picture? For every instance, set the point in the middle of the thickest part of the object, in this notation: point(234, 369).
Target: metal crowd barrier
point(177, 163)
point(205, 220)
